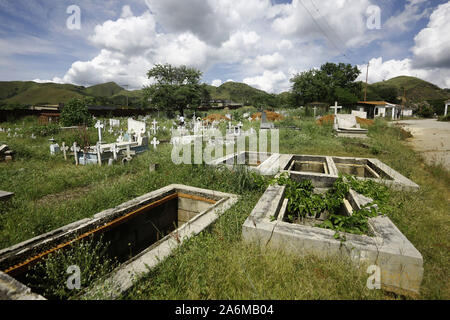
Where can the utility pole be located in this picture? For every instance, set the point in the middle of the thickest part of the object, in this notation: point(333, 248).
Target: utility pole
point(404, 101)
point(367, 79)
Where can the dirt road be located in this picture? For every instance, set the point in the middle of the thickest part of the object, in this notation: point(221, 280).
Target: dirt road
point(431, 138)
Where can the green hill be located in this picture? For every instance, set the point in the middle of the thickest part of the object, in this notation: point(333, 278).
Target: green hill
point(32, 93)
point(237, 92)
point(108, 89)
point(416, 90)
point(38, 93)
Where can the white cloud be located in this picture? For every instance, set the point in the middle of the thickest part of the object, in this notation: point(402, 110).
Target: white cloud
point(269, 81)
point(379, 71)
point(432, 44)
point(216, 83)
point(255, 41)
point(403, 21)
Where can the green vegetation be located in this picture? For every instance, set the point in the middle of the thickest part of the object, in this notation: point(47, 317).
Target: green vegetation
point(50, 193)
point(49, 277)
point(332, 82)
point(303, 202)
point(75, 113)
point(175, 88)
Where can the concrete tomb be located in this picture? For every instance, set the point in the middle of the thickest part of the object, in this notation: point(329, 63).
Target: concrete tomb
point(324, 170)
point(399, 262)
point(140, 233)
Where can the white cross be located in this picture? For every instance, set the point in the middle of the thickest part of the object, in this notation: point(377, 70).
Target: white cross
point(155, 142)
point(336, 107)
point(64, 150)
point(99, 126)
point(99, 154)
point(110, 130)
point(75, 150)
point(154, 128)
point(115, 150)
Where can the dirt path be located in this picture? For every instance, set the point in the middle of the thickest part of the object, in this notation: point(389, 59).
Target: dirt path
point(431, 138)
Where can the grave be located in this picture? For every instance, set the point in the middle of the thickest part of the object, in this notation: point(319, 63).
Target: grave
point(307, 167)
point(5, 153)
point(265, 125)
point(141, 233)
point(262, 162)
point(345, 125)
point(4, 195)
point(401, 265)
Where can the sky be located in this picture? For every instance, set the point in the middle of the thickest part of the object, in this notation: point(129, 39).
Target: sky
point(262, 43)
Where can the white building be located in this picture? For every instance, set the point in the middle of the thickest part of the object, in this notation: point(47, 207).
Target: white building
point(381, 109)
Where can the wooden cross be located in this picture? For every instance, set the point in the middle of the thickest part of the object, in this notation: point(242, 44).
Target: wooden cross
point(64, 149)
point(115, 150)
point(154, 128)
point(75, 150)
point(336, 107)
point(155, 142)
point(99, 126)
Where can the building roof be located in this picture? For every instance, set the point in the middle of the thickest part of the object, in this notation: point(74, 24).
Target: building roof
point(378, 103)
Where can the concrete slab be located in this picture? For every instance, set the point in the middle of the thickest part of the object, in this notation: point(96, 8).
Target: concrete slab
point(400, 263)
point(4, 195)
point(199, 207)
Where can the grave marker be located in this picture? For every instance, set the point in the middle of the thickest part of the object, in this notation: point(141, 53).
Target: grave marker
point(99, 126)
point(336, 108)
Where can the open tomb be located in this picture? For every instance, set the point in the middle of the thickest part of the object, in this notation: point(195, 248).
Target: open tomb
point(139, 233)
point(272, 225)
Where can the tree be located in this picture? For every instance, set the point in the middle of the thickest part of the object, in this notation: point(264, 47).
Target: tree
point(174, 88)
point(332, 82)
point(76, 113)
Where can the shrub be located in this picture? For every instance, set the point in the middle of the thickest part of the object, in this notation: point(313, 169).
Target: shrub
point(75, 113)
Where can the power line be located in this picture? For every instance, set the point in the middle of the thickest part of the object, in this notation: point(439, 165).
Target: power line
point(324, 33)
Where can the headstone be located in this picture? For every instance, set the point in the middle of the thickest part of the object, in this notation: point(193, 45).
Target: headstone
point(136, 127)
point(114, 123)
point(54, 149)
point(264, 123)
point(360, 114)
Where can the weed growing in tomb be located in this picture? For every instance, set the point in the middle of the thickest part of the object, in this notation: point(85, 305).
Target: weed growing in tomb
point(50, 276)
point(303, 202)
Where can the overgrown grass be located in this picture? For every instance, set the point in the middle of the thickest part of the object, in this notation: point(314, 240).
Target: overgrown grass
point(216, 264)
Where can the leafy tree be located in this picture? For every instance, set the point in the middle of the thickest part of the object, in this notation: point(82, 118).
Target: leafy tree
point(332, 82)
point(76, 113)
point(174, 88)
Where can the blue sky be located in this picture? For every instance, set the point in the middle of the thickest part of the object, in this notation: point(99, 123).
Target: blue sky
point(259, 42)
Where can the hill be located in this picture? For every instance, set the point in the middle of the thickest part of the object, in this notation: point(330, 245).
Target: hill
point(237, 92)
point(104, 90)
point(416, 90)
point(32, 93)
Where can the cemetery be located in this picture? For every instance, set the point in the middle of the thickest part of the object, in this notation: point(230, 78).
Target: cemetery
point(114, 186)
